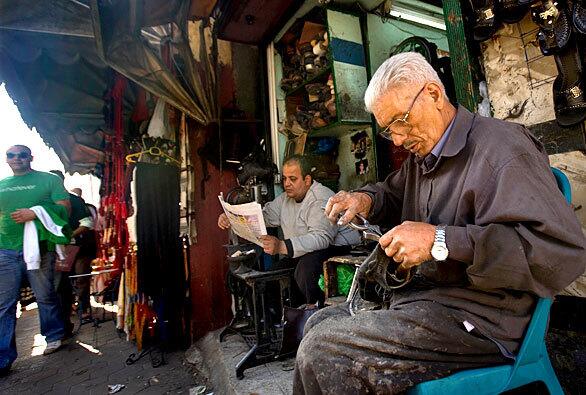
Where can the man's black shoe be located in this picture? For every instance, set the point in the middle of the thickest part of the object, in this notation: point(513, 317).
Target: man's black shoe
point(5, 371)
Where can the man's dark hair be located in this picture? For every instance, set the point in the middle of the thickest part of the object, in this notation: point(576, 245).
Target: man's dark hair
point(58, 173)
point(302, 162)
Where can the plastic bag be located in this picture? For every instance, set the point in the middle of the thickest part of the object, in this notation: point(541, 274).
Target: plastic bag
point(159, 124)
point(344, 276)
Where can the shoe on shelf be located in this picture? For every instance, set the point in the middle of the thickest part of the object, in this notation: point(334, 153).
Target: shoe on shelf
point(52, 347)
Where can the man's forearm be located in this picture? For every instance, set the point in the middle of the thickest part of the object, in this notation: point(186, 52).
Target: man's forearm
point(80, 230)
point(65, 203)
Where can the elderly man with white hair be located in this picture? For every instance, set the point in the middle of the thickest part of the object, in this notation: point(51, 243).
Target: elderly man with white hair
point(476, 213)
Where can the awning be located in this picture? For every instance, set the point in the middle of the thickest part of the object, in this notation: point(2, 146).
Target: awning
point(58, 59)
point(53, 73)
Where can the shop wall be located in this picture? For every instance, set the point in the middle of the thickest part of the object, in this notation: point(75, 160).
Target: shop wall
point(382, 36)
point(239, 97)
point(518, 76)
point(209, 298)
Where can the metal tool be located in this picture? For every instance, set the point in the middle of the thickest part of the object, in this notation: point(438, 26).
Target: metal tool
point(369, 231)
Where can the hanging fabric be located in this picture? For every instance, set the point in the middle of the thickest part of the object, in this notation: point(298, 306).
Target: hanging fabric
point(159, 124)
point(114, 242)
point(160, 265)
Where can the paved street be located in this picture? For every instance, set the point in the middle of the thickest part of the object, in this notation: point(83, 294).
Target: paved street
point(88, 363)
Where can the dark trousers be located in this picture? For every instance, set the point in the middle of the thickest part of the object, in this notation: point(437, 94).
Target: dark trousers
point(308, 268)
point(386, 351)
point(81, 287)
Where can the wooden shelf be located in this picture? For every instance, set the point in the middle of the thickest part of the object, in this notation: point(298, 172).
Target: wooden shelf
point(338, 129)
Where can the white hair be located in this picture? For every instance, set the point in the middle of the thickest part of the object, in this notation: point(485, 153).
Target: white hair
point(407, 68)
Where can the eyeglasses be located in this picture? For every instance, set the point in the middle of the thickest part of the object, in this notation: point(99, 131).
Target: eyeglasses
point(20, 155)
point(400, 126)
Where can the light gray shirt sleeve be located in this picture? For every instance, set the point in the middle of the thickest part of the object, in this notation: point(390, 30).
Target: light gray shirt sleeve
point(272, 212)
point(320, 231)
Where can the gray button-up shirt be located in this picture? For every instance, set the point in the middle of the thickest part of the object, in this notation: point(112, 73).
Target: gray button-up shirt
point(510, 234)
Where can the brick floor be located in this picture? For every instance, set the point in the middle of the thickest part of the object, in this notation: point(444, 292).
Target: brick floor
point(88, 363)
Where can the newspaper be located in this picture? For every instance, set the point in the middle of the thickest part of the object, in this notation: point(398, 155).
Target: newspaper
point(246, 220)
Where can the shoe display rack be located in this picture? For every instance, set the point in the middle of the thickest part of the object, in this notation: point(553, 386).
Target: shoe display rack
point(321, 77)
point(324, 73)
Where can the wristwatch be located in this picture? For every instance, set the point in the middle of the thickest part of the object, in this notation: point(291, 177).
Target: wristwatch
point(439, 250)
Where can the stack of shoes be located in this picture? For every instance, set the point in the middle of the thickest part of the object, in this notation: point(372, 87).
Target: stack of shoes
point(293, 72)
point(561, 30)
point(320, 109)
point(301, 61)
point(331, 103)
point(489, 14)
point(319, 45)
point(325, 170)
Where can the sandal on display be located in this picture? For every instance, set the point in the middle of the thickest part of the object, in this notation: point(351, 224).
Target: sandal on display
point(485, 20)
point(554, 26)
point(579, 16)
point(511, 11)
point(568, 88)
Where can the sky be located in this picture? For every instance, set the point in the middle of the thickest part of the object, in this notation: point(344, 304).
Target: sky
point(14, 131)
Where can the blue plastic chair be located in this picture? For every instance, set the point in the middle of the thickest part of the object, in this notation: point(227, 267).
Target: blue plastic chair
point(531, 364)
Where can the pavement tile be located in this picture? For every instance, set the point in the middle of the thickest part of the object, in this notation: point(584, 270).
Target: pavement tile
point(60, 389)
point(77, 370)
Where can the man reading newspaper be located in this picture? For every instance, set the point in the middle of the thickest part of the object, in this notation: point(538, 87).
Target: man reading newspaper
point(308, 237)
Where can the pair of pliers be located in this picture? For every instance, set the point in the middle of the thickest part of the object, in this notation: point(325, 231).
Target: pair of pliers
point(369, 231)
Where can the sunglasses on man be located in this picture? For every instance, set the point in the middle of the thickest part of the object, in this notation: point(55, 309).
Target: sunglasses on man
point(19, 155)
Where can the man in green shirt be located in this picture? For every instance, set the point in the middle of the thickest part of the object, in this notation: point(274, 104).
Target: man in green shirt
point(18, 193)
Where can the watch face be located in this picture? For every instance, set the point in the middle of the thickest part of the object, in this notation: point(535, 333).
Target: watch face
point(439, 252)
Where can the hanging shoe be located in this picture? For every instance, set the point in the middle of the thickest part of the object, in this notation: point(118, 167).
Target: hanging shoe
point(579, 16)
point(485, 19)
point(568, 88)
point(554, 26)
point(511, 11)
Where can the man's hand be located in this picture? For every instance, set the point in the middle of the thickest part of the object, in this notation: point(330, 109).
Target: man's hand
point(223, 222)
point(409, 243)
point(23, 215)
point(273, 246)
point(351, 202)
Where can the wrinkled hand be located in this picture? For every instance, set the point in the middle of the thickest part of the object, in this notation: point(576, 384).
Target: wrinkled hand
point(23, 215)
point(409, 243)
point(223, 222)
point(351, 203)
point(272, 245)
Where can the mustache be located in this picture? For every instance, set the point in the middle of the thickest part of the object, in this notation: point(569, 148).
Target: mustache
point(409, 144)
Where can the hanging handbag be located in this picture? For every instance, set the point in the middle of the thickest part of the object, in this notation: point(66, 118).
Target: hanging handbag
point(65, 265)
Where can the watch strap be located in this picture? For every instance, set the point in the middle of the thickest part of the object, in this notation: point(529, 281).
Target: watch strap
point(440, 234)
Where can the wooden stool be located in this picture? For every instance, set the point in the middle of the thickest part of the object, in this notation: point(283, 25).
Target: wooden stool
point(331, 292)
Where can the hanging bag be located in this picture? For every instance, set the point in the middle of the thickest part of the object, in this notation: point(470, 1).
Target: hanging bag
point(65, 265)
